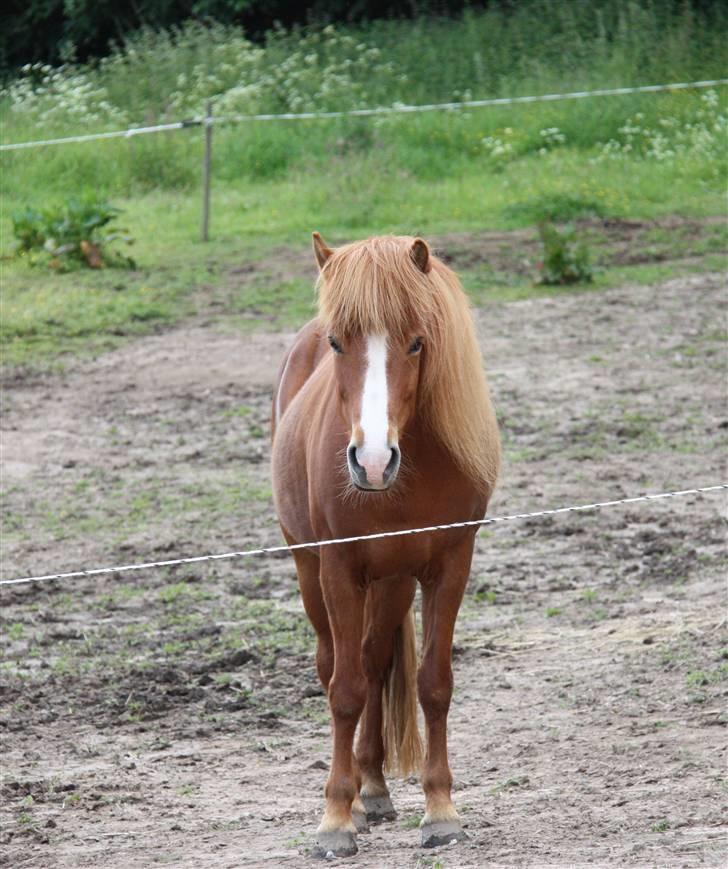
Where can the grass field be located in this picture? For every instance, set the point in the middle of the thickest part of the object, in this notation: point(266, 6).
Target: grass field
point(46, 313)
point(640, 157)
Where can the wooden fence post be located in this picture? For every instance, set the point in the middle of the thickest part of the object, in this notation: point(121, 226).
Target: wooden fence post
point(206, 167)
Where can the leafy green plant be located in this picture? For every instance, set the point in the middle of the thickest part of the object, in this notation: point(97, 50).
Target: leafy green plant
point(566, 260)
point(79, 233)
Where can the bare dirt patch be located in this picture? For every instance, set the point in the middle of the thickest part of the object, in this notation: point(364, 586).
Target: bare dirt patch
point(173, 717)
point(613, 242)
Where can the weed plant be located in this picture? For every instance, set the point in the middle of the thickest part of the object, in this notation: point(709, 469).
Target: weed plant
point(81, 233)
point(566, 259)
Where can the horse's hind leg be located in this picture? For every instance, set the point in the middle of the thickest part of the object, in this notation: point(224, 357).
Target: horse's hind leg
point(388, 604)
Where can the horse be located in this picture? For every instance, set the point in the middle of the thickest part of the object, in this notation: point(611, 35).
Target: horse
point(382, 420)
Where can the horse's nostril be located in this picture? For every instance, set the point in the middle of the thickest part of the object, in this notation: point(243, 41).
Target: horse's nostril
point(370, 474)
point(351, 455)
point(392, 465)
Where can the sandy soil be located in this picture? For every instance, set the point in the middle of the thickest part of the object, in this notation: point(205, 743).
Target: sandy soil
point(173, 717)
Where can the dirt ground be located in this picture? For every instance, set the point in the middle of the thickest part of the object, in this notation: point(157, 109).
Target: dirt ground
point(173, 716)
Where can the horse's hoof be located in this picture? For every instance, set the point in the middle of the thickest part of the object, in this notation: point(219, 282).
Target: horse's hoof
point(335, 844)
point(379, 808)
point(442, 833)
point(360, 821)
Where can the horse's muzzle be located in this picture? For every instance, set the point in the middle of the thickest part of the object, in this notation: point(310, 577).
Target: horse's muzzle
point(369, 477)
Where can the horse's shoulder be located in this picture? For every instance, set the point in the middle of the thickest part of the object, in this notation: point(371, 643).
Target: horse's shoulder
point(308, 348)
point(306, 352)
point(309, 338)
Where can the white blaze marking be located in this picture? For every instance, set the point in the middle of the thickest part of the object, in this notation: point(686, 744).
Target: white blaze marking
point(374, 402)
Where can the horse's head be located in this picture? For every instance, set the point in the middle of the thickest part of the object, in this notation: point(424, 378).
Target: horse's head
point(377, 378)
point(377, 375)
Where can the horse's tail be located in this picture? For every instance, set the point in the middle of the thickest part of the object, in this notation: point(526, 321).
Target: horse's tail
point(402, 743)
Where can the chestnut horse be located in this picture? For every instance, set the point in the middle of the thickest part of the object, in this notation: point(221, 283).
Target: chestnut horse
point(382, 421)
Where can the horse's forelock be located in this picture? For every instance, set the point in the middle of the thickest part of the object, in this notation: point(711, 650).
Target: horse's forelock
point(373, 287)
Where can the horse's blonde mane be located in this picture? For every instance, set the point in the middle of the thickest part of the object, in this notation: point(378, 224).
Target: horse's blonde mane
point(375, 287)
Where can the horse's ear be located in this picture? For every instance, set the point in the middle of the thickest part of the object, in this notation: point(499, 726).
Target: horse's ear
point(321, 250)
point(420, 253)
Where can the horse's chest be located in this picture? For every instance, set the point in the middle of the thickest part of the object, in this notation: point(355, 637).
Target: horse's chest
point(395, 556)
point(408, 555)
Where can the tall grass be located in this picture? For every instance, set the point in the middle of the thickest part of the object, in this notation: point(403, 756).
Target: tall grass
point(543, 46)
point(540, 46)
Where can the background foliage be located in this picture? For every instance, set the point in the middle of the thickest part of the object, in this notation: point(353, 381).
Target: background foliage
point(55, 31)
point(160, 75)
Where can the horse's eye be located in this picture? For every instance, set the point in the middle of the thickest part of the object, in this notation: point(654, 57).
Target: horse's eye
point(415, 347)
point(335, 346)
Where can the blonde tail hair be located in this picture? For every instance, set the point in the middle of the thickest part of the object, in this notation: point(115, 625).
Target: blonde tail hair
point(401, 736)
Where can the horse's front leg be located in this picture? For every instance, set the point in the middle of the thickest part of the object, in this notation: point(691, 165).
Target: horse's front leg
point(389, 605)
point(442, 593)
point(344, 595)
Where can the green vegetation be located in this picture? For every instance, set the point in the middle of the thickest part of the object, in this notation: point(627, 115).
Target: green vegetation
point(78, 234)
point(88, 311)
point(566, 259)
point(509, 167)
point(160, 76)
point(134, 509)
point(55, 31)
point(179, 632)
point(412, 822)
point(701, 678)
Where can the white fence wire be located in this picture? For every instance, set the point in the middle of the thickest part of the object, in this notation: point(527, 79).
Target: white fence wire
point(112, 134)
point(269, 550)
point(367, 112)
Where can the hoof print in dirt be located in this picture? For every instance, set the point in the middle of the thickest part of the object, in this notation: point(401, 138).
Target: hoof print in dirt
point(379, 809)
point(442, 833)
point(331, 845)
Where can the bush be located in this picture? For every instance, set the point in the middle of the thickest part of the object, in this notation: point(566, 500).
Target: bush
point(565, 259)
point(77, 234)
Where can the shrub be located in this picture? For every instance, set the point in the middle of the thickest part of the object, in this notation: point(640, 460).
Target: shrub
point(565, 259)
point(80, 233)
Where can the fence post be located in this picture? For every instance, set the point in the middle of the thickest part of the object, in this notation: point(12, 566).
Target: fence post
point(206, 166)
